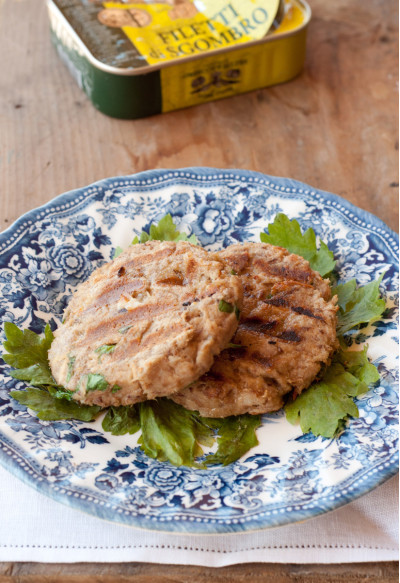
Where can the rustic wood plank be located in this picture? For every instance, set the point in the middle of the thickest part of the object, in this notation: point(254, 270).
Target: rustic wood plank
point(145, 573)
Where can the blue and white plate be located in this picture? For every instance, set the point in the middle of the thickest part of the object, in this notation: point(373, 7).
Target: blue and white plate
point(289, 476)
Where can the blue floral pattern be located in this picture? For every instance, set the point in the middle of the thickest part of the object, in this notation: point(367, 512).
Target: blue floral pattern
point(47, 252)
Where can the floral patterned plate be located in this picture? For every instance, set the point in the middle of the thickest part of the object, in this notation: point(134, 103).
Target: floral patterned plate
point(289, 476)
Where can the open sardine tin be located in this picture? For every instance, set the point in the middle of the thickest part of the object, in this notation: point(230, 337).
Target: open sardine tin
point(135, 59)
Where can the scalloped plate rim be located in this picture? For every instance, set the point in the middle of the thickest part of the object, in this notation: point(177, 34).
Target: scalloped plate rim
point(187, 527)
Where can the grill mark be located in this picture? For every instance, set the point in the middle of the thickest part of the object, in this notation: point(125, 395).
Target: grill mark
point(213, 375)
point(278, 301)
point(143, 259)
point(268, 328)
point(282, 271)
point(173, 280)
point(257, 325)
point(284, 303)
point(113, 291)
point(260, 359)
point(147, 341)
point(191, 268)
point(289, 336)
point(117, 321)
point(305, 312)
point(235, 353)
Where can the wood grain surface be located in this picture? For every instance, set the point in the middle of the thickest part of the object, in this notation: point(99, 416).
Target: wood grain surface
point(335, 127)
point(250, 573)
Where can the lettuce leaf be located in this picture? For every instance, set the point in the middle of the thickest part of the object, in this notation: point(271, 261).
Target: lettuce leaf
point(122, 420)
point(236, 435)
point(170, 432)
point(286, 233)
point(324, 408)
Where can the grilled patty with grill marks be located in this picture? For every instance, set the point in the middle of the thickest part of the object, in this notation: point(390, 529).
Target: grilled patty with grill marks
point(145, 325)
point(286, 335)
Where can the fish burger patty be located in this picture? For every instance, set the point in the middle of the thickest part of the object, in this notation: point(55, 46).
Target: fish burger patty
point(286, 335)
point(146, 324)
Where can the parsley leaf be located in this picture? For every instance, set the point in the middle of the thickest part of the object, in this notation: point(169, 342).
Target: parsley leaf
point(105, 349)
point(36, 375)
point(358, 305)
point(122, 420)
point(96, 382)
point(27, 353)
point(286, 233)
point(326, 405)
point(224, 306)
point(25, 348)
point(61, 393)
point(50, 408)
point(165, 230)
point(71, 364)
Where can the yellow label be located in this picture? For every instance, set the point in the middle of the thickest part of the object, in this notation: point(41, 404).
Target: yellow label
point(162, 31)
point(238, 71)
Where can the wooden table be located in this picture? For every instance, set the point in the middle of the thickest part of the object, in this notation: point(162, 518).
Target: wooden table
point(335, 127)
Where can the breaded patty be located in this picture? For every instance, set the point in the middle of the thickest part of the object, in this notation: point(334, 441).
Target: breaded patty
point(286, 334)
point(146, 324)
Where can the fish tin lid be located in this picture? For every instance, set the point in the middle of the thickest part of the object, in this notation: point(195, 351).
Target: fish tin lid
point(136, 37)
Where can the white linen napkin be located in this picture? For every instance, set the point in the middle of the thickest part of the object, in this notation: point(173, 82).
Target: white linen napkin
point(36, 528)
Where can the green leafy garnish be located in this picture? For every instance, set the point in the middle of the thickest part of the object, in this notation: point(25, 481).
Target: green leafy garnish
point(326, 405)
point(236, 435)
point(358, 305)
point(96, 382)
point(105, 349)
point(27, 352)
point(121, 420)
point(170, 432)
point(117, 252)
point(36, 375)
point(71, 363)
point(286, 233)
point(165, 230)
point(50, 408)
point(224, 306)
point(61, 393)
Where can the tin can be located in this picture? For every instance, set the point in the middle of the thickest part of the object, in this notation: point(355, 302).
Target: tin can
point(136, 59)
